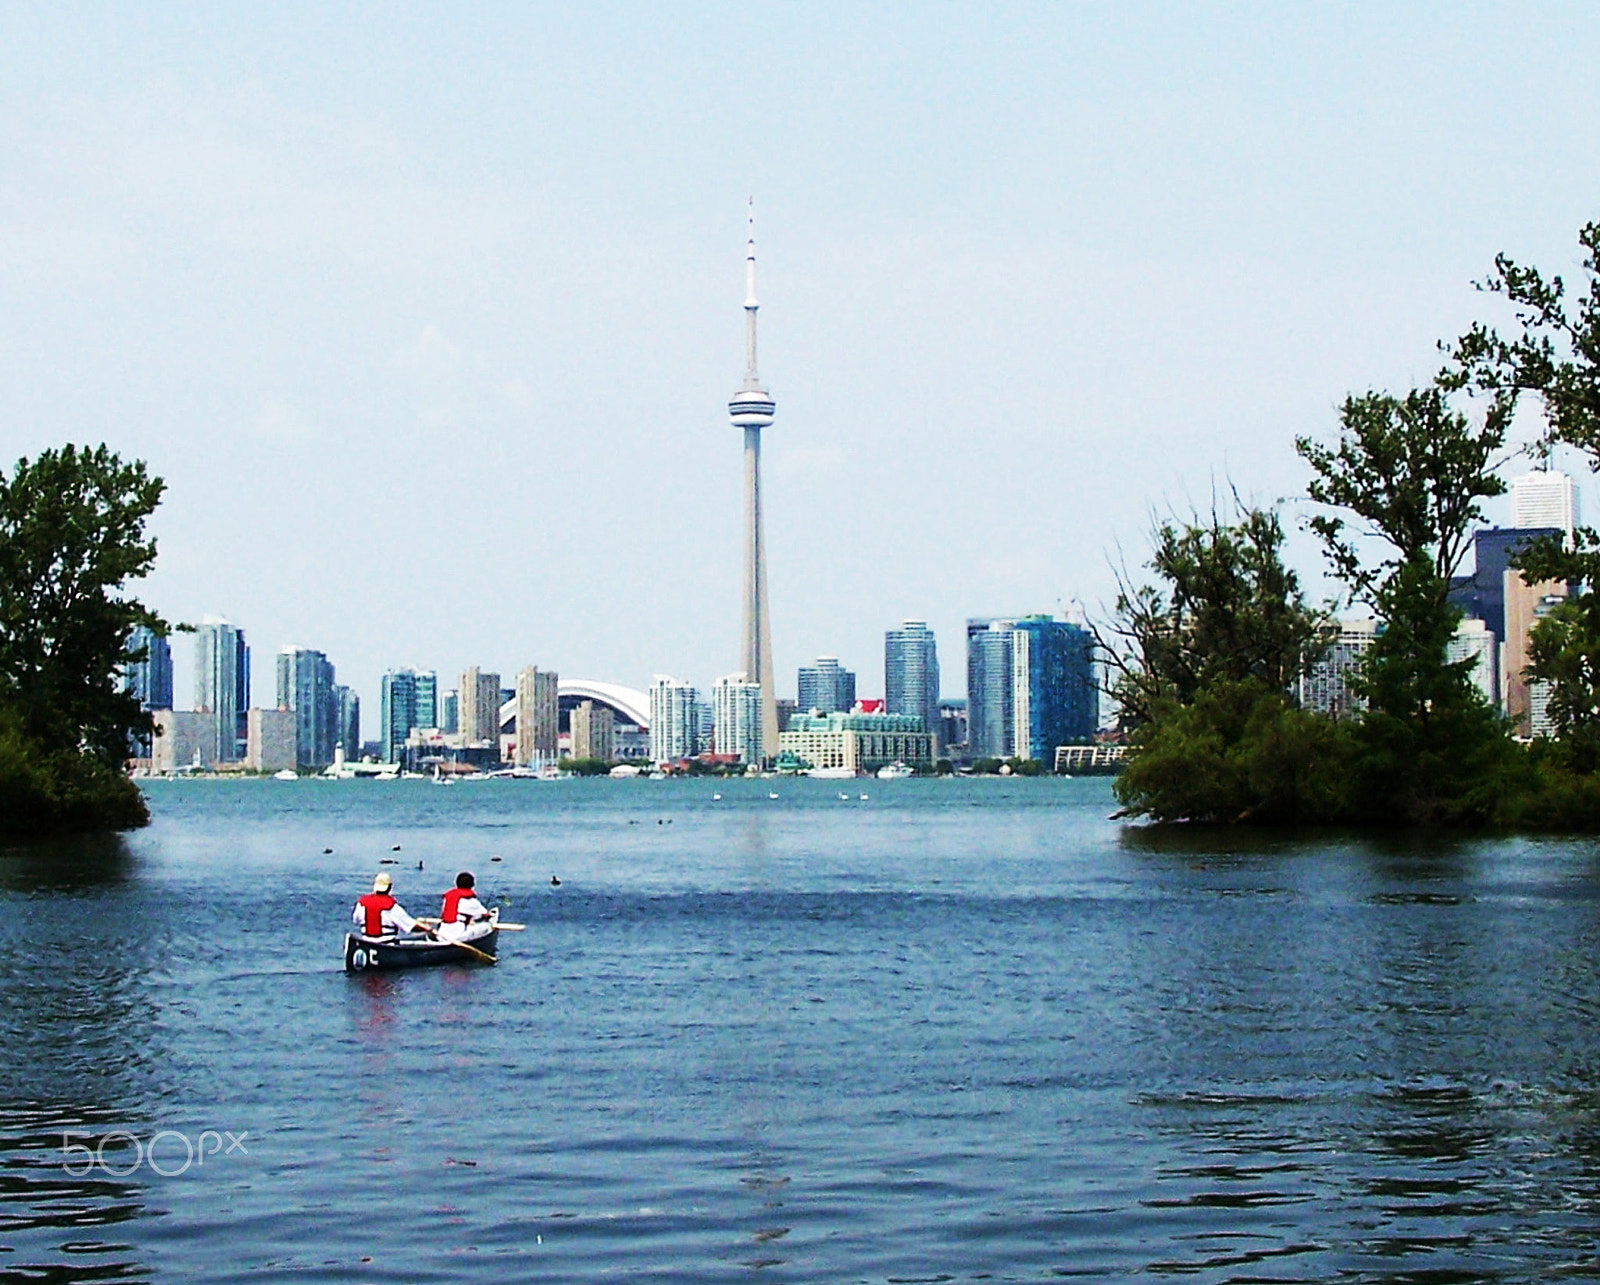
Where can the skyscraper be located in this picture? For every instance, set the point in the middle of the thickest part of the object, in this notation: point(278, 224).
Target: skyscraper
point(148, 679)
point(221, 690)
point(478, 710)
point(397, 713)
point(538, 716)
point(427, 698)
point(593, 728)
point(347, 729)
point(911, 675)
point(1544, 498)
point(990, 688)
point(674, 720)
point(736, 707)
point(826, 686)
point(752, 410)
point(1054, 701)
point(1030, 687)
point(306, 686)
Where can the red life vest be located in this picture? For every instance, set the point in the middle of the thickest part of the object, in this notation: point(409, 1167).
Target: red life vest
point(375, 903)
point(450, 912)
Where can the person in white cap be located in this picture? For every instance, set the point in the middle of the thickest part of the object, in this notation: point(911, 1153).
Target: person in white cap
point(380, 915)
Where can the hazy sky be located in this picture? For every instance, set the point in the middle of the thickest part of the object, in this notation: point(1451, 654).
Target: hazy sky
point(429, 315)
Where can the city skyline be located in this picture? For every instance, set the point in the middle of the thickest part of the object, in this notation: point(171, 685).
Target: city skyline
point(1040, 272)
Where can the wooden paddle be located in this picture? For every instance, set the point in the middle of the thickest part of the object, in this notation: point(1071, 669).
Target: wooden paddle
point(512, 928)
point(473, 950)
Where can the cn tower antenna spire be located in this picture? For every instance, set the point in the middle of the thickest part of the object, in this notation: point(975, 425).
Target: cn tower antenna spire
point(751, 380)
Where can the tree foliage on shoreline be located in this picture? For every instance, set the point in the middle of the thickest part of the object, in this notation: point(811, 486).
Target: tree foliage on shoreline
point(1400, 491)
point(72, 534)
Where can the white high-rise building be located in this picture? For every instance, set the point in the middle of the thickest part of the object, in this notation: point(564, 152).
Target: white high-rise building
point(752, 409)
point(1474, 642)
point(1325, 687)
point(1544, 498)
point(736, 706)
point(674, 720)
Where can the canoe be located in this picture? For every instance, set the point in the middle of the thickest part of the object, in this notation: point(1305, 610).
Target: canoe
point(363, 954)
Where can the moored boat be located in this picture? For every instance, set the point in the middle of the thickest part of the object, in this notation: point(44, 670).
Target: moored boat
point(363, 954)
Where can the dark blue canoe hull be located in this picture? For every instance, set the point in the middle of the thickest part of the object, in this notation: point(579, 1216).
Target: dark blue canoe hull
point(368, 954)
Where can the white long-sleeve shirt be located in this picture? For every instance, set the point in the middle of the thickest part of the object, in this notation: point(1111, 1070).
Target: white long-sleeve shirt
point(467, 909)
point(394, 919)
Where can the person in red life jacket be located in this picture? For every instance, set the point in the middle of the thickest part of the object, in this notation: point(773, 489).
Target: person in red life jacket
point(461, 910)
point(380, 915)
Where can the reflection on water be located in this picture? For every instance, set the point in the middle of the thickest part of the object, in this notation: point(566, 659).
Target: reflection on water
point(66, 865)
point(960, 1031)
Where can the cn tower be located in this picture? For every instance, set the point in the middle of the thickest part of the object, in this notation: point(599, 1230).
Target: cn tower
point(751, 409)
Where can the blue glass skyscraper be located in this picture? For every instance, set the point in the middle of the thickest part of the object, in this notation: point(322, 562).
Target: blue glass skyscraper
point(398, 714)
point(911, 675)
point(1030, 687)
point(827, 686)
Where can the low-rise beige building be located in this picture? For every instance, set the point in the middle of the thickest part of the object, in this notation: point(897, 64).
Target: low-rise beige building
point(859, 742)
point(270, 744)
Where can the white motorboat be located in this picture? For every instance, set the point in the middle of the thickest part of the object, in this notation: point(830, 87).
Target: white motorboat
point(896, 771)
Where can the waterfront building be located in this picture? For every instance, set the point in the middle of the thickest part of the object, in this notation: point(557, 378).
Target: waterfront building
point(751, 410)
point(397, 713)
point(1526, 605)
point(911, 675)
point(182, 738)
point(1030, 686)
point(1474, 642)
point(271, 740)
point(449, 703)
point(592, 727)
point(306, 686)
point(1090, 760)
point(1544, 499)
point(478, 708)
point(786, 710)
point(427, 714)
point(990, 688)
point(148, 679)
point(538, 713)
point(858, 742)
point(347, 725)
point(826, 686)
point(221, 689)
point(1481, 595)
point(674, 720)
point(736, 709)
point(1325, 687)
point(1054, 699)
point(952, 725)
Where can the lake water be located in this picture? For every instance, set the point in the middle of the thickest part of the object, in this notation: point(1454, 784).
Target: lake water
point(958, 1030)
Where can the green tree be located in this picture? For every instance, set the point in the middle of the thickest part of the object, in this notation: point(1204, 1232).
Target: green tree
point(1206, 659)
point(72, 534)
point(1553, 351)
point(1552, 354)
point(1226, 609)
point(1414, 472)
